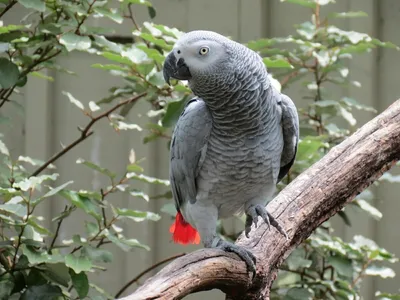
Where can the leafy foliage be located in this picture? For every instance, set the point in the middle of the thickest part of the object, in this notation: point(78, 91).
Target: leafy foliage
point(34, 264)
point(324, 266)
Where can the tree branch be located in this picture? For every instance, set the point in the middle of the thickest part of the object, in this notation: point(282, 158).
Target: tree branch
point(8, 7)
point(85, 133)
point(312, 198)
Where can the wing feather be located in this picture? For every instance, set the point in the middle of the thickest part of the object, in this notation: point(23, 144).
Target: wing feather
point(188, 150)
point(290, 129)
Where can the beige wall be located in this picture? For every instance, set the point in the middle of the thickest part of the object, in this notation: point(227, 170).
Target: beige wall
point(49, 119)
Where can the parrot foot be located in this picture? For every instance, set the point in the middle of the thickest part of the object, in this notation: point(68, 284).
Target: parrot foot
point(243, 253)
point(259, 210)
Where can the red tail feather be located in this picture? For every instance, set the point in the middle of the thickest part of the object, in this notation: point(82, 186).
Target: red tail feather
point(183, 232)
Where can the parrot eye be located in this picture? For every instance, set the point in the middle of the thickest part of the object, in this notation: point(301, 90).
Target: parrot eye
point(204, 50)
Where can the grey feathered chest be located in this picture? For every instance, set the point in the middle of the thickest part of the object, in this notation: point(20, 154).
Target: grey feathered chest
point(242, 156)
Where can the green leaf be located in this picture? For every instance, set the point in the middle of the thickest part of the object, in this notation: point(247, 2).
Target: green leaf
point(152, 12)
point(80, 283)
point(97, 254)
point(36, 256)
point(35, 277)
point(33, 181)
point(42, 76)
point(54, 191)
point(96, 167)
point(157, 41)
point(344, 217)
point(101, 291)
point(334, 246)
point(364, 205)
point(110, 67)
point(299, 294)
point(296, 260)
point(78, 264)
point(34, 162)
point(348, 116)
point(136, 215)
point(73, 100)
point(157, 79)
point(117, 58)
point(81, 202)
point(308, 147)
point(348, 14)
point(125, 126)
point(387, 296)
point(126, 244)
point(147, 179)
point(354, 103)
point(58, 273)
point(39, 5)
point(4, 149)
point(102, 41)
point(93, 106)
point(9, 73)
point(136, 55)
point(142, 2)
point(6, 287)
point(152, 54)
point(174, 110)
point(390, 178)
point(73, 41)
point(169, 208)
point(9, 28)
point(90, 194)
point(134, 168)
point(139, 194)
point(342, 265)
point(42, 292)
point(277, 63)
point(109, 13)
point(16, 209)
point(383, 272)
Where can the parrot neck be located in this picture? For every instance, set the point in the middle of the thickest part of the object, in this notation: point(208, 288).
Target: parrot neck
point(243, 112)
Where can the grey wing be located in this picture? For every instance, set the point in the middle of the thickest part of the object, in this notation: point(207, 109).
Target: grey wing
point(290, 130)
point(188, 150)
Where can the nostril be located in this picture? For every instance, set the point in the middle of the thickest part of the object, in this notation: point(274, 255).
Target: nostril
point(180, 62)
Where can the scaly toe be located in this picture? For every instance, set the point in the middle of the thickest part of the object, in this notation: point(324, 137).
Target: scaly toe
point(244, 254)
point(262, 212)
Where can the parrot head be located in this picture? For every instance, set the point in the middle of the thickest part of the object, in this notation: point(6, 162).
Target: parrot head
point(198, 54)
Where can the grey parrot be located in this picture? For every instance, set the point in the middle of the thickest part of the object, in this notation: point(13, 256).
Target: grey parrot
point(232, 143)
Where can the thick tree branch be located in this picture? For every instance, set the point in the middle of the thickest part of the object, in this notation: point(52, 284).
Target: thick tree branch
point(312, 198)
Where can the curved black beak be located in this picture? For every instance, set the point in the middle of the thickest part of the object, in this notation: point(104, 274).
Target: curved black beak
point(175, 69)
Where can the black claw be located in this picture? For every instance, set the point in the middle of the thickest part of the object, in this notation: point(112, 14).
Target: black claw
point(244, 254)
point(258, 210)
point(262, 212)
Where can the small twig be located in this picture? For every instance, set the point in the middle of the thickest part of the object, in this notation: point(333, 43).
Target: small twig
point(145, 272)
point(7, 93)
point(361, 274)
point(133, 19)
point(57, 230)
point(84, 17)
point(286, 79)
point(113, 220)
point(9, 6)
point(85, 133)
point(28, 214)
point(303, 274)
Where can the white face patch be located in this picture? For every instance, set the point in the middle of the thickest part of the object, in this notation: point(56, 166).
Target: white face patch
point(200, 55)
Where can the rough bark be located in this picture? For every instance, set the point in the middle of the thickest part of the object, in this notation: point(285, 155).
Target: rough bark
point(312, 198)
